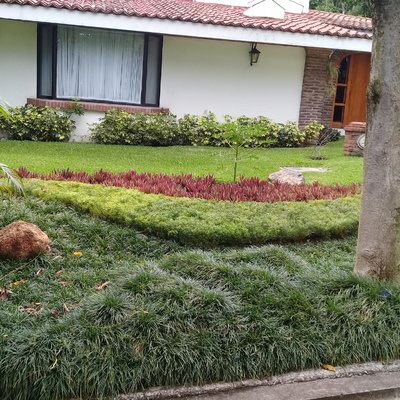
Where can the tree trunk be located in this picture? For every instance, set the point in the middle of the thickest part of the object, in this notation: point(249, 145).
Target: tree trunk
point(378, 248)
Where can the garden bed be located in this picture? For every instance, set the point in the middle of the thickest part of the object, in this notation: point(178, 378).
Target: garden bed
point(171, 315)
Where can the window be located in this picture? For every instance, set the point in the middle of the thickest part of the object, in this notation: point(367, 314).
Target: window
point(339, 103)
point(98, 65)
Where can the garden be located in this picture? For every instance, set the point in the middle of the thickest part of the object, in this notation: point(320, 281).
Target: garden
point(150, 284)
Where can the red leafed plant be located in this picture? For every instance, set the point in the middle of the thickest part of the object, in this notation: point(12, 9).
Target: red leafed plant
point(246, 189)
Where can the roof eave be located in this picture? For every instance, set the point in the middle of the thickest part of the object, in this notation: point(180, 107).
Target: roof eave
point(180, 28)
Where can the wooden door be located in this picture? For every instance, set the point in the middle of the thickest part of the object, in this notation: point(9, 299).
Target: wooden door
point(350, 102)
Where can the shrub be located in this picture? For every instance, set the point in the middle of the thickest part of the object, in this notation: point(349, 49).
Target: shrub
point(39, 123)
point(200, 222)
point(200, 130)
point(247, 189)
point(119, 127)
point(315, 130)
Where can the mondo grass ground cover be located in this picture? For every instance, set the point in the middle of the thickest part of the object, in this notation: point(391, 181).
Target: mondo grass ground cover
point(44, 157)
point(207, 223)
point(113, 311)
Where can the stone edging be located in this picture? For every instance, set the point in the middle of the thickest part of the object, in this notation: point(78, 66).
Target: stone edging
point(293, 377)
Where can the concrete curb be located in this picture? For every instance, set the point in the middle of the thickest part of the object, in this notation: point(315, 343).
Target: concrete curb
point(387, 378)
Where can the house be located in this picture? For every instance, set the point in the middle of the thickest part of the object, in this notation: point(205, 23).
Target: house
point(187, 56)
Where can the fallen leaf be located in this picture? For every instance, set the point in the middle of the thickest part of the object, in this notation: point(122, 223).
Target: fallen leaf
point(59, 272)
point(64, 283)
point(32, 309)
point(56, 257)
point(17, 282)
point(5, 293)
point(55, 313)
point(101, 286)
point(77, 253)
point(39, 272)
point(65, 308)
point(329, 367)
point(54, 363)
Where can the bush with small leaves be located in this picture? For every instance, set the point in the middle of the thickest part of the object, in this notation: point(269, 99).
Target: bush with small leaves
point(120, 127)
point(200, 130)
point(37, 123)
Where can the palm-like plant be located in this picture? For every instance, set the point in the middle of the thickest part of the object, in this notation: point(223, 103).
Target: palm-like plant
point(4, 108)
point(13, 184)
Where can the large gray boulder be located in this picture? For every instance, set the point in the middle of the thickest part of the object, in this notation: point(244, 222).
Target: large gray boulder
point(22, 240)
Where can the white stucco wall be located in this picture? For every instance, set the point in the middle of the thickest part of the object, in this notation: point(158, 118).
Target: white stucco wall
point(198, 75)
point(201, 75)
point(17, 61)
point(82, 132)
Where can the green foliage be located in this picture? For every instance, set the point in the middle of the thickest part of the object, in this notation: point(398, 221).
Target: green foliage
point(39, 123)
point(176, 316)
point(13, 184)
point(352, 7)
point(4, 106)
point(119, 127)
point(314, 130)
point(205, 222)
point(243, 132)
point(200, 130)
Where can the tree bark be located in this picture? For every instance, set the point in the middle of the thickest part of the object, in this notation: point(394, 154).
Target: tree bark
point(378, 248)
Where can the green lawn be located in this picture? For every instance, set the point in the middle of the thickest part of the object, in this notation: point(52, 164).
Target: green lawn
point(199, 161)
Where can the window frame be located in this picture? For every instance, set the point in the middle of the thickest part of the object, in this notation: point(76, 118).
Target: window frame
point(53, 96)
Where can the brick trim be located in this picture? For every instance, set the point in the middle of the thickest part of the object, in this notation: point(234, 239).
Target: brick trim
point(352, 132)
point(102, 107)
point(316, 101)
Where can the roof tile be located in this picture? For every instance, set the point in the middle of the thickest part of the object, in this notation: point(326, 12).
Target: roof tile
point(314, 22)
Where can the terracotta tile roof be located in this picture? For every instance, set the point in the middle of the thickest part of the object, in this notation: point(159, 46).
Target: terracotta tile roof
point(314, 22)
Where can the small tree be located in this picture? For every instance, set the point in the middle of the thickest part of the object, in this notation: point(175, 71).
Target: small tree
point(243, 132)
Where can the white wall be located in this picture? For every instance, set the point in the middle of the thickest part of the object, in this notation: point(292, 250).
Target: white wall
point(201, 75)
point(82, 132)
point(198, 75)
point(17, 61)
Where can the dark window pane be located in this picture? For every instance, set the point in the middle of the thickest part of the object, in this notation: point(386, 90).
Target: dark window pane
point(153, 63)
point(340, 94)
point(46, 60)
point(344, 70)
point(338, 114)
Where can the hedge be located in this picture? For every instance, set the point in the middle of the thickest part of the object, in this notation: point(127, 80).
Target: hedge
point(207, 223)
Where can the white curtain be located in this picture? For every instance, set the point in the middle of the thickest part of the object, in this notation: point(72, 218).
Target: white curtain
point(97, 64)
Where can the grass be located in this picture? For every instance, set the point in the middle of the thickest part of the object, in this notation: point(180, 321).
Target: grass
point(173, 315)
point(200, 161)
point(168, 314)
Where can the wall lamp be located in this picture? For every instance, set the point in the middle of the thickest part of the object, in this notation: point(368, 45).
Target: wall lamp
point(254, 54)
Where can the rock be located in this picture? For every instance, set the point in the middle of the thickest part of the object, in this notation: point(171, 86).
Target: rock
point(287, 176)
point(22, 240)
